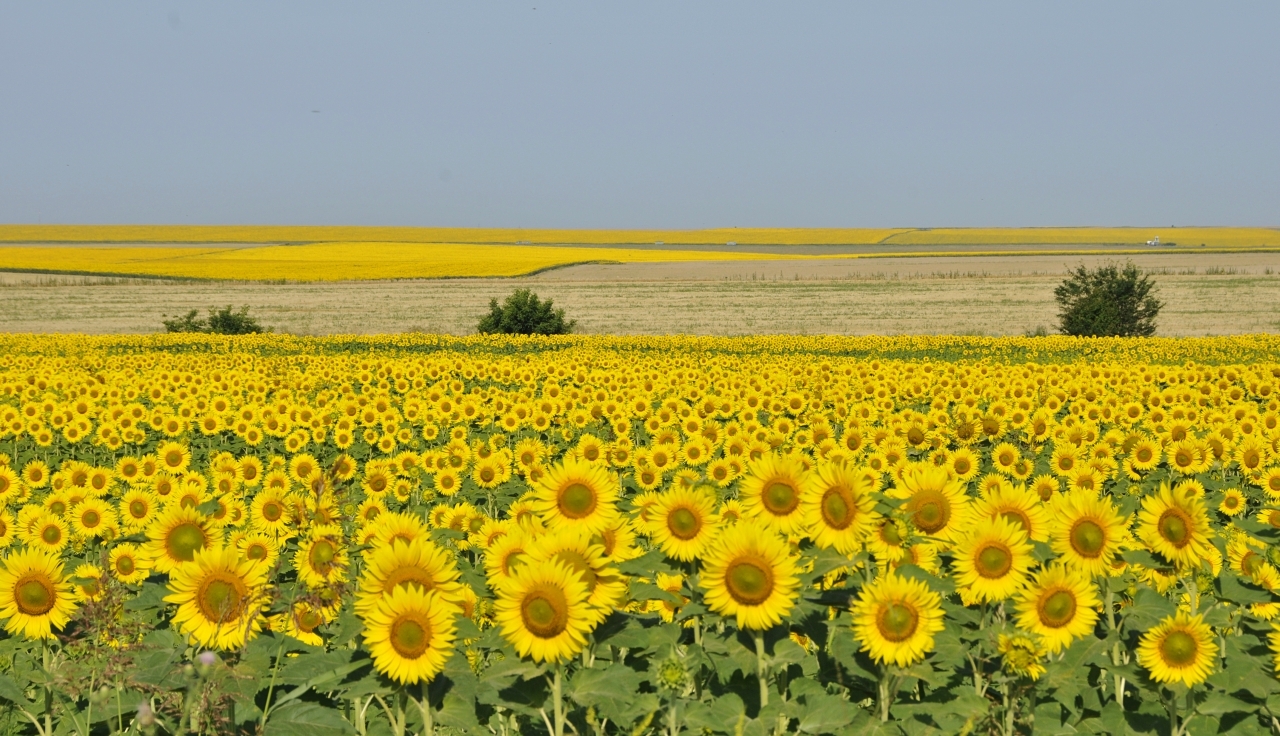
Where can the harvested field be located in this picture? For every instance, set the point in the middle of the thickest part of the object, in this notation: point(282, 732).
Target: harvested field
point(1218, 295)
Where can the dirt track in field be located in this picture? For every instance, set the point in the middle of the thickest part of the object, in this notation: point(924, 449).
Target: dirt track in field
point(1206, 294)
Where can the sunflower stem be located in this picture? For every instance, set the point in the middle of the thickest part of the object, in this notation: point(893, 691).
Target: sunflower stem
point(883, 693)
point(762, 669)
point(428, 721)
point(557, 688)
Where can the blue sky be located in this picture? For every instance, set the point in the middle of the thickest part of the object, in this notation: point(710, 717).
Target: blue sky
point(630, 115)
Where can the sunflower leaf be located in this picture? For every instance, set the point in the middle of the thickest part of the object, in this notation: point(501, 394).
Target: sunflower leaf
point(1231, 588)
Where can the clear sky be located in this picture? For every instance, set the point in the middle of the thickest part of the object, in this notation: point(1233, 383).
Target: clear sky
point(645, 114)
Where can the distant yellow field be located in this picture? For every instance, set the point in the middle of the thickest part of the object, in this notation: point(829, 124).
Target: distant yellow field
point(308, 234)
point(334, 261)
point(1222, 237)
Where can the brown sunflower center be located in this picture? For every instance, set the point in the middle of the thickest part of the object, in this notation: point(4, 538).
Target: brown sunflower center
point(256, 551)
point(308, 619)
point(221, 598)
point(930, 511)
point(683, 523)
point(1087, 538)
point(749, 581)
point(272, 511)
point(780, 498)
point(993, 560)
point(35, 595)
point(51, 534)
point(897, 622)
point(1179, 649)
point(577, 501)
point(323, 553)
point(90, 519)
point(545, 612)
point(1057, 609)
point(1175, 527)
point(837, 508)
point(1250, 563)
point(410, 635)
point(183, 541)
point(137, 509)
point(125, 565)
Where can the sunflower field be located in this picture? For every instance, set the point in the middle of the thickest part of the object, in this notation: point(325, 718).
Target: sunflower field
point(592, 535)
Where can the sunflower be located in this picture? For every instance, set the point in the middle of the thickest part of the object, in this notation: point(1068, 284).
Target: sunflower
point(575, 494)
point(895, 618)
point(410, 634)
point(220, 597)
point(302, 620)
point(1087, 531)
point(992, 560)
point(321, 559)
point(175, 536)
point(1233, 502)
point(137, 508)
point(504, 555)
point(543, 611)
point(771, 492)
point(34, 597)
point(92, 518)
point(936, 503)
point(1176, 526)
point(1004, 457)
point(1181, 648)
point(400, 526)
point(7, 529)
point(49, 533)
point(750, 574)
point(419, 564)
point(269, 511)
point(1021, 656)
point(259, 547)
point(128, 564)
point(963, 463)
point(174, 458)
point(1060, 605)
point(87, 580)
point(684, 522)
point(606, 587)
point(838, 508)
point(1018, 505)
point(1145, 454)
point(35, 474)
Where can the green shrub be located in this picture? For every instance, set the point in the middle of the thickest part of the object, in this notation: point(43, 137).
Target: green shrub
point(1107, 301)
point(224, 321)
point(524, 314)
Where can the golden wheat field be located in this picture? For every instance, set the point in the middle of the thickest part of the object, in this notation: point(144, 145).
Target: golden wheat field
point(423, 534)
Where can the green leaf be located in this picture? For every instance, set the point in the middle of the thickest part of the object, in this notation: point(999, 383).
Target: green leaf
point(936, 584)
point(1149, 608)
point(1231, 588)
point(1144, 558)
point(10, 691)
point(826, 714)
point(721, 715)
point(1218, 703)
point(591, 686)
point(306, 719)
point(151, 596)
point(651, 592)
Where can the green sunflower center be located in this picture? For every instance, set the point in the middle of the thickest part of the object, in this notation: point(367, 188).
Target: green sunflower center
point(545, 612)
point(1087, 538)
point(35, 596)
point(322, 556)
point(125, 565)
point(51, 534)
point(410, 635)
point(1174, 526)
point(749, 582)
point(993, 561)
point(137, 509)
point(931, 512)
point(577, 501)
point(1179, 649)
point(1057, 609)
point(184, 540)
point(683, 524)
point(780, 498)
point(897, 622)
point(837, 509)
point(272, 511)
point(220, 598)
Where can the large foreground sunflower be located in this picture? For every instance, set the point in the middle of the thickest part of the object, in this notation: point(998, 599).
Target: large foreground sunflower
point(419, 564)
point(410, 633)
point(751, 575)
point(576, 494)
point(1059, 606)
point(1087, 531)
point(220, 597)
point(1179, 649)
point(895, 618)
point(992, 561)
point(543, 611)
point(684, 522)
point(175, 536)
point(34, 597)
point(1176, 526)
point(936, 502)
point(771, 492)
point(838, 508)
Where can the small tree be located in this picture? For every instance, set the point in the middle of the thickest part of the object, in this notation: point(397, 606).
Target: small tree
point(223, 321)
point(524, 314)
point(1107, 301)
